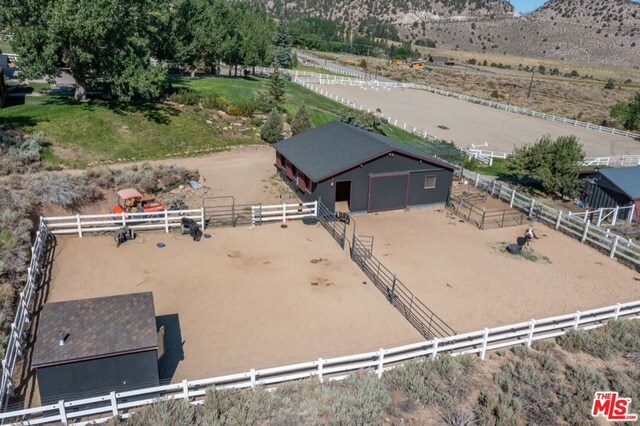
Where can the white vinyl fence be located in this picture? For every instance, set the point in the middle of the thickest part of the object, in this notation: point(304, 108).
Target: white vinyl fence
point(123, 404)
point(603, 239)
point(496, 105)
point(168, 219)
point(20, 324)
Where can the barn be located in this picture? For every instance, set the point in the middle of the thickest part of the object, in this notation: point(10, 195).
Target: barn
point(614, 187)
point(351, 169)
point(92, 346)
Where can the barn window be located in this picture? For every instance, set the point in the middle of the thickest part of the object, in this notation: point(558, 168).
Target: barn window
point(289, 171)
point(302, 182)
point(278, 160)
point(429, 182)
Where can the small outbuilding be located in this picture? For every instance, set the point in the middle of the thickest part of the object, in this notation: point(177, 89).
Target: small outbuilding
point(417, 65)
point(93, 346)
point(613, 187)
point(361, 170)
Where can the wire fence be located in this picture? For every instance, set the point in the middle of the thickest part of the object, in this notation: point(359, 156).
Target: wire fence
point(336, 228)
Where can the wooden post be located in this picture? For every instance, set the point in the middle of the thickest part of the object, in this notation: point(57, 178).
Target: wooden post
point(484, 343)
point(614, 245)
point(559, 218)
point(584, 233)
point(532, 326)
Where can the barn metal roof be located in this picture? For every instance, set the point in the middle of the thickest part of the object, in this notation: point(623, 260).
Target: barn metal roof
point(95, 328)
point(333, 148)
point(627, 179)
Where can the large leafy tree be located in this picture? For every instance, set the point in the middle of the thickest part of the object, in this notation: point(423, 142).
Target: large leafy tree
point(553, 163)
point(628, 113)
point(108, 41)
point(257, 31)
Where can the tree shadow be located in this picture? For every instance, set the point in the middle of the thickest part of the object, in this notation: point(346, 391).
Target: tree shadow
point(156, 112)
point(17, 122)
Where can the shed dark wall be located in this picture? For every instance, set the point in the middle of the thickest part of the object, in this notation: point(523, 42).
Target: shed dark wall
point(604, 194)
point(359, 177)
point(97, 376)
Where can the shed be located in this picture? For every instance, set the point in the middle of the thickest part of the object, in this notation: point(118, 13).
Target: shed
point(365, 171)
point(93, 346)
point(614, 187)
point(440, 60)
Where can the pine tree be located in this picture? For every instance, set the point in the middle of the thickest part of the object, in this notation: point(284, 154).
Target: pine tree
point(276, 88)
point(282, 43)
point(271, 131)
point(300, 122)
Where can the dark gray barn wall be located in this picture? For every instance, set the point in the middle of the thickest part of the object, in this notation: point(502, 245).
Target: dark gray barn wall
point(359, 177)
point(98, 376)
point(604, 194)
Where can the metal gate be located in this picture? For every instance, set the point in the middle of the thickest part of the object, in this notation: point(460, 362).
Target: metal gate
point(223, 211)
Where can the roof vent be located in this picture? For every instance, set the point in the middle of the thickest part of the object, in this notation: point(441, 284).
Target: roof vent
point(61, 338)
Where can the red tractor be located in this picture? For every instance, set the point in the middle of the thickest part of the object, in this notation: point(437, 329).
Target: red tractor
point(131, 200)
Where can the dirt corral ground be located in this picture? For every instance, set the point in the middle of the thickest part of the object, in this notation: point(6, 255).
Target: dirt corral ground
point(464, 275)
point(469, 123)
point(245, 298)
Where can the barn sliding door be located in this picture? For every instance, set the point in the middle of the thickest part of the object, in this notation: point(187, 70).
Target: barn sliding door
point(388, 191)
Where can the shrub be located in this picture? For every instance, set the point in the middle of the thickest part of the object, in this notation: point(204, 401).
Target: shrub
point(495, 94)
point(301, 122)
point(576, 401)
point(213, 101)
point(611, 84)
point(184, 97)
point(165, 413)
point(271, 131)
point(235, 407)
point(497, 410)
point(145, 176)
point(440, 381)
point(61, 189)
point(246, 108)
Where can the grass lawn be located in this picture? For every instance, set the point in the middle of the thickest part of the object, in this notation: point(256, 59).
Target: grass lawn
point(94, 131)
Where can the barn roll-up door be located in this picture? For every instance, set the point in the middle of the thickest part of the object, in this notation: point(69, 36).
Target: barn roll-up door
point(388, 191)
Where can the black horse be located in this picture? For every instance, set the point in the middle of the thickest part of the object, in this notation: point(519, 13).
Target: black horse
point(193, 228)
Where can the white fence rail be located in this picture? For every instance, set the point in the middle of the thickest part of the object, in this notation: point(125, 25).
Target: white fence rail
point(123, 404)
point(283, 212)
point(603, 214)
point(603, 239)
point(617, 161)
point(496, 105)
point(20, 325)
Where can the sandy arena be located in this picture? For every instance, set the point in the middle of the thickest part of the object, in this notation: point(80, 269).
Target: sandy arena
point(465, 277)
point(245, 298)
point(475, 124)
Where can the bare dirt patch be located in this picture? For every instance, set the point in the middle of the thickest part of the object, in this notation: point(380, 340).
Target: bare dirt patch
point(245, 298)
point(464, 275)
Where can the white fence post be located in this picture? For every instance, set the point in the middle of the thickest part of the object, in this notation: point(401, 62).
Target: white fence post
point(614, 245)
point(532, 326)
point(436, 341)
point(484, 343)
point(114, 403)
point(599, 217)
point(320, 368)
point(533, 202)
point(577, 320)
point(253, 378)
point(185, 389)
point(633, 211)
point(616, 313)
point(202, 217)
point(166, 222)
point(63, 412)
point(284, 213)
point(315, 208)
point(584, 233)
point(615, 216)
point(559, 218)
point(477, 179)
point(380, 362)
point(79, 226)
point(513, 196)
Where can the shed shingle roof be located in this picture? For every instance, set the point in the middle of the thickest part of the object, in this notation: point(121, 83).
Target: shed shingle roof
point(96, 328)
point(333, 148)
point(625, 178)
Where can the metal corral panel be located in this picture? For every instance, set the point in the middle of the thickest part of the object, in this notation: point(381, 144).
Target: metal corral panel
point(388, 192)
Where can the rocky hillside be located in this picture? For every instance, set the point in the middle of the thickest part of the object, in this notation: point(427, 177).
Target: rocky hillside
point(602, 31)
point(400, 12)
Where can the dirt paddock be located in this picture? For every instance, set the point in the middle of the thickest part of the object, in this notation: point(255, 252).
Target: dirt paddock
point(245, 298)
point(464, 275)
